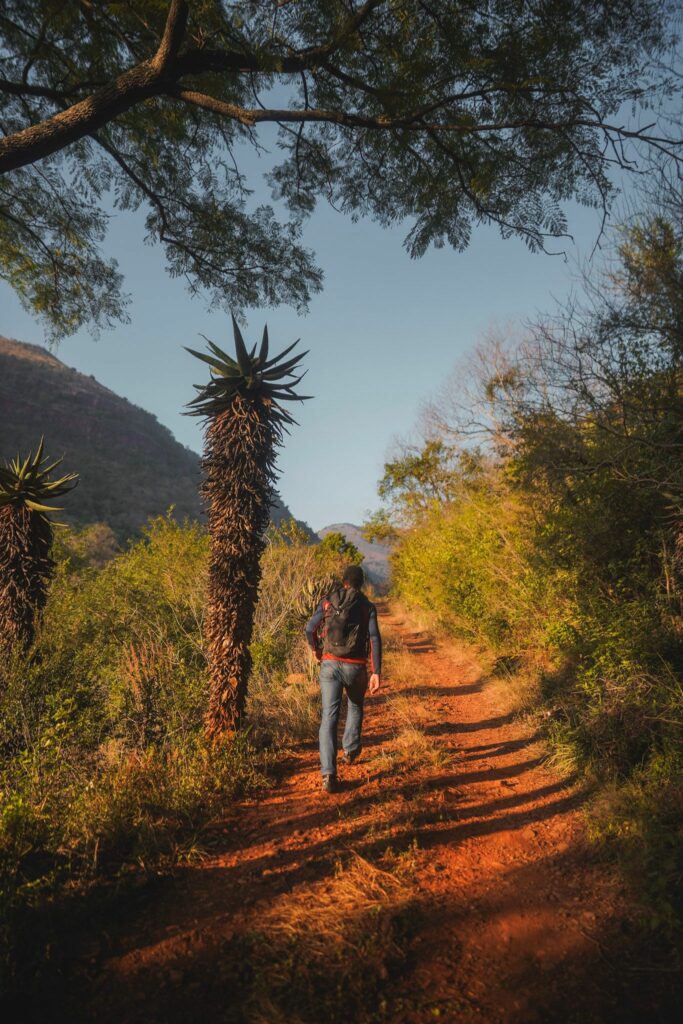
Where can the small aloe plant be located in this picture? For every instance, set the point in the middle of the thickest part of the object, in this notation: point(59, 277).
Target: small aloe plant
point(27, 490)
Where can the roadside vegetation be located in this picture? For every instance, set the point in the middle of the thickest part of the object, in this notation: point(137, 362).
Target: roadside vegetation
point(539, 514)
point(105, 765)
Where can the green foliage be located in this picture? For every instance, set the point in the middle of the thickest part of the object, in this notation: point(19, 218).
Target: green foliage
point(93, 545)
point(484, 113)
point(417, 480)
point(561, 545)
point(334, 552)
point(641, 822)
point(454, 564)
point(103, 757)
point(378, 528)
point(289, 531)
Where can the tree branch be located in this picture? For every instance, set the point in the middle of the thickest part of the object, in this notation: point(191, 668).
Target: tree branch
point(86, 117)
point(21, 89)
point(81, 119)
point(163, 75)
point(414, 121)
point(176, 23)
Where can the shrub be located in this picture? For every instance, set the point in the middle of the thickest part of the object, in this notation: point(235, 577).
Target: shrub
point(559, 545)
point(103, 757)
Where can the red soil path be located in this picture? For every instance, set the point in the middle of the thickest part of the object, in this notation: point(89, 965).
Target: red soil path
point(518, 922)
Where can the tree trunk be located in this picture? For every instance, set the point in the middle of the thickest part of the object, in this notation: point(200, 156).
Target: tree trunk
point(25, 572)
point(238, 464)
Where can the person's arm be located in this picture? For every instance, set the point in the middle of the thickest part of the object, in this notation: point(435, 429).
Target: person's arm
point(312, 631)
point(375, 651)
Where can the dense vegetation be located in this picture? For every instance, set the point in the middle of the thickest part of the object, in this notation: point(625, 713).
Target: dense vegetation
point(104, 762)
point(541, 516)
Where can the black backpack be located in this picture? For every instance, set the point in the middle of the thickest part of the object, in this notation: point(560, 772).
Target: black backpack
point(345, 633)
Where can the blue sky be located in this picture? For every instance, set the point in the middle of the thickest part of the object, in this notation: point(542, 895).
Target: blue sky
point(383, 335)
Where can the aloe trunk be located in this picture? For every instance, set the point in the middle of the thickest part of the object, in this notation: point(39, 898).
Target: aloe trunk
point(245, 426)
point(26, 566)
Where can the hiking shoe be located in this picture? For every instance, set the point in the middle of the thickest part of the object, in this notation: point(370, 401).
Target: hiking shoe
point(330, 783)
point(350, 758)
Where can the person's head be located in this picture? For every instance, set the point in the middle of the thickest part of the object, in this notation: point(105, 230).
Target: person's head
point(353, 577)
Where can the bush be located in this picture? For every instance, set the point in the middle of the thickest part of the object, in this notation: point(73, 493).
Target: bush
point(103, 759)
point(560, 546)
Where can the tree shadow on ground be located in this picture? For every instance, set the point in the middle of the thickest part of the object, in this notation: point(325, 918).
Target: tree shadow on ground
point(596, 977)
point(452, 728)
point(218, 892)
point(427, 690)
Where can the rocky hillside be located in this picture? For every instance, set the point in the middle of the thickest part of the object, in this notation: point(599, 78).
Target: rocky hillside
point(375, 556)
point(131, 467)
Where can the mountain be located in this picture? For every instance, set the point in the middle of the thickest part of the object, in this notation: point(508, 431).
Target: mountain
point(376, 556)
point(130, 465)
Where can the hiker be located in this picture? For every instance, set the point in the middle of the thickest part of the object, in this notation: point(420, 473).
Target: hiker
point(343, 633)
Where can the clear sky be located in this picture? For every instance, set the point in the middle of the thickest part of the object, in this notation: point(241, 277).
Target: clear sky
point(383, 335)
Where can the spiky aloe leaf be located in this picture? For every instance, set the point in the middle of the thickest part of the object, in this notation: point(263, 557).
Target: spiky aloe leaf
point(263, 351)
point(241, 349)
point(282, 354)
point(255, 377)
point(35, 507)
point(27, 482)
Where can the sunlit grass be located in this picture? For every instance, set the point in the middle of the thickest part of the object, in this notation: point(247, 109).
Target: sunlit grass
point(331, 956)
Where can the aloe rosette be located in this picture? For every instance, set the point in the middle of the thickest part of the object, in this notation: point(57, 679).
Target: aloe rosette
point(28, 489)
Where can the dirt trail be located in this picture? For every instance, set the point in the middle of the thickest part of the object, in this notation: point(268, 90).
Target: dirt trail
point(516, 922)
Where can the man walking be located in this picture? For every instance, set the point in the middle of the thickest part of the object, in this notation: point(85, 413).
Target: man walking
point(343, 633)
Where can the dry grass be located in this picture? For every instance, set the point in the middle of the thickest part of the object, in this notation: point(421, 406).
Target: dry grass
point(518, 691)
point(284, 705)
point(412, 750)
point(326, 917)
point(392, 641)
point(283, 710)
point(405, 669)
point(329, 956)
point(409, 710)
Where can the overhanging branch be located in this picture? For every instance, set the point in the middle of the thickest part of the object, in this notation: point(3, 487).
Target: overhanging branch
point(166, 74)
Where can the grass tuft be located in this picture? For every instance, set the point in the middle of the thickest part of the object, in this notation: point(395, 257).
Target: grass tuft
point(329, 957)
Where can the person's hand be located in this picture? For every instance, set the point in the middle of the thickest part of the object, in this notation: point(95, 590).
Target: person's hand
point(375, 683)
point(317, 655)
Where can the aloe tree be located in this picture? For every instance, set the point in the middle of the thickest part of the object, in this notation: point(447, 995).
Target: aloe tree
point(245, 424)
point(27, 490)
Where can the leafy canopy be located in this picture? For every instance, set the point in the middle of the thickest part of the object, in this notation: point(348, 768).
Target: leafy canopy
point(447, 115)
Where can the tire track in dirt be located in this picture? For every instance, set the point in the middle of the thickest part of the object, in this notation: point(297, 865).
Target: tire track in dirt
point(515, 921)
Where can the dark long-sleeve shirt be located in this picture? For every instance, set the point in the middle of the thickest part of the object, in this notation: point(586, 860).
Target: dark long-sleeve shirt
point(315, 623)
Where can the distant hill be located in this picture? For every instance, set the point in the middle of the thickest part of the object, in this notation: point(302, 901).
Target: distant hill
point(131, 467)
point(376, 556)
